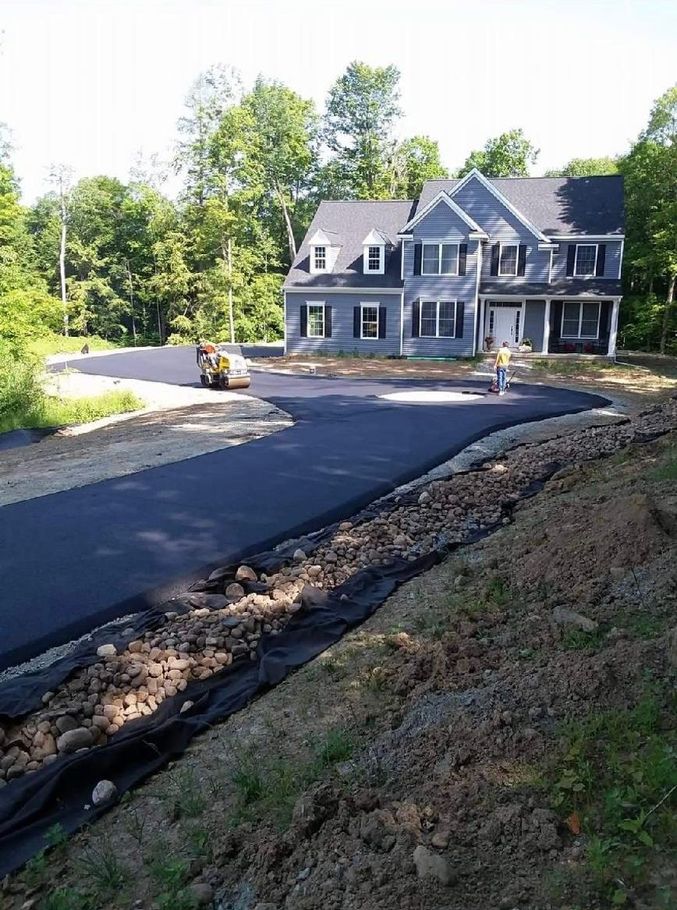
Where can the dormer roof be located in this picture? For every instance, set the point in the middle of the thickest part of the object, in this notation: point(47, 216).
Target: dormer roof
point(376, 238)
point(322, 237)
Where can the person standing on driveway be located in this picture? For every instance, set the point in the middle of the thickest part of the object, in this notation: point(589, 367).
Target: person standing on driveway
point(502, 362)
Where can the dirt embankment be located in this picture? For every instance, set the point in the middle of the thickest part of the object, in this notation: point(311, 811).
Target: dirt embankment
point(498, 735)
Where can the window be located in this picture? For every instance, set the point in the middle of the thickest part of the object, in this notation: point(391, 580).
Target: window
point(507, 260)
point(438, 319)
point(315, 320)
point(320, 258)
point(374, 259)
point(580, 319)
point(439, 259)
point(368, 320)
point(586, 259)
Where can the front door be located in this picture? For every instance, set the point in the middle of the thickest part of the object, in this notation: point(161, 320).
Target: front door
point(504, 323)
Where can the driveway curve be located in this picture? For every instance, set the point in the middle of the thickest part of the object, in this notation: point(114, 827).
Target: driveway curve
point(72, 560)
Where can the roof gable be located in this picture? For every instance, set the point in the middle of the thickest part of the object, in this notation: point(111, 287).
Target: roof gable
point(474, 174)
point(444, 197)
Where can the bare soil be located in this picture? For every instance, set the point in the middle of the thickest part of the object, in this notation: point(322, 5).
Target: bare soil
point(434, 731)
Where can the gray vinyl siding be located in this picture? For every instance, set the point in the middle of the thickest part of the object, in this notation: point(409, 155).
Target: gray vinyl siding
point(441, 287)
point(612, 260)
point(503, 227)
point(342, 324)
point(534, 318)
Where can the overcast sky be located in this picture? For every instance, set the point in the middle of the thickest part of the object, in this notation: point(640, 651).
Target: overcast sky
point(91, 83)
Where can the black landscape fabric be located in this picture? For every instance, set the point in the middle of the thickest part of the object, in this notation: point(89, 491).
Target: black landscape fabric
point(61, 793)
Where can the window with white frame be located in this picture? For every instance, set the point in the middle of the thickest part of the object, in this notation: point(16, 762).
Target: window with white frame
point(368, 320)
point(437, 319)
point(315, 320)
point(374, 261)
point(439, 259)
point(507, 260)
point(580, 319)
point(586, 259)
point(320, 258)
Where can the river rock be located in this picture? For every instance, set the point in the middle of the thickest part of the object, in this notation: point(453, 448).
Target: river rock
point(106, 651)
point(104, 792)
point(72, 740)
point(429, 864)
point(245, 573)
point(565, 617)
point(201, 893)
point(235, 591)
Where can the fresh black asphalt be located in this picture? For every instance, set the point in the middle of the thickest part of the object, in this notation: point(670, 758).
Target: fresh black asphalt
point(71, 560)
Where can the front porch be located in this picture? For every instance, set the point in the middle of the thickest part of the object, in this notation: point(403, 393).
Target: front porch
point(574, 326)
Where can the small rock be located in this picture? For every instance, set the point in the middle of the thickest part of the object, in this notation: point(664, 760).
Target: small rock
point(104, 792)
point(245, 573)
point(431, 864)
point(440, 839)
point(299, 555)
point(72, 740)
point(186, 706)
point(202, 893)
point(346, 526)
point(65, 723)
point(423, 498)
point(565, 617)
point(234, 591)
point(106, 651)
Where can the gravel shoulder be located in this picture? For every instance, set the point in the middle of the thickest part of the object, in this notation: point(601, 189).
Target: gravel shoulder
point(177, 423)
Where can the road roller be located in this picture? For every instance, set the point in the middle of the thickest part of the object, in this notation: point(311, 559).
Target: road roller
point(220, 368)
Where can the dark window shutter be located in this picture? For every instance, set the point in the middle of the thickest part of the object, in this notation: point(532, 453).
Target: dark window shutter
point(462, 256)
point(382, 315)
point(327, 321)
point(571, 258)
point(494, 259)
point(415, 318)
point(521, 259)
point(417, 258)
point(357, 329)
point(601, 257)
point(604, 318)
point(460, 311)
point(304, 321)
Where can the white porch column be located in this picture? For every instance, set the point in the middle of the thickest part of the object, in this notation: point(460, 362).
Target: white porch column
point(613, 328)
point(546, 327)
point(482, 305)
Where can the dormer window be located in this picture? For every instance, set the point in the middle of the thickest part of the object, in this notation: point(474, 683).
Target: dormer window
point(374, 258)
point(320, 259)
point(374, 253)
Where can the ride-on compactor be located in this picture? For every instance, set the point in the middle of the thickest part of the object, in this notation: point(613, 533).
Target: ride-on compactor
point(221, 369)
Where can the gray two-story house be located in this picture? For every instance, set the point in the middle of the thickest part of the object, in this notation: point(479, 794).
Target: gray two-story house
point(473, 262)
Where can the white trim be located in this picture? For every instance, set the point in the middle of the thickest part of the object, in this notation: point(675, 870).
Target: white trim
point(477, 298)
point(580, 303)
point(546, 326)
point(592, 274)
point(521, 306)
point(437, 317)
point(402, 323)
point(620, 258)
point(593, 238)
point(284, 311)
point(550, 266)
point(478, 175)
point(310, 289)
point(320, 238)
point(445, 197)
point(613, 326)
point(402, 259)
point(373, 306)
point(316, 303)
point(517, 256)
point(381, 258)
point(439, 244)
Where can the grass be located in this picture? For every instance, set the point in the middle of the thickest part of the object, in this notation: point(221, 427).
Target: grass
point(617, 774)
point(51, 343)
point(668, 470)
point(579, 640)
point(49, 411)
point(101, 867)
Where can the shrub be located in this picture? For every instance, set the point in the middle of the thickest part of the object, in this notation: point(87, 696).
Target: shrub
point(21, 395)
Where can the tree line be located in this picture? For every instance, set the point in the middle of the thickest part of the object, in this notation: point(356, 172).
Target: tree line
point(128, 263)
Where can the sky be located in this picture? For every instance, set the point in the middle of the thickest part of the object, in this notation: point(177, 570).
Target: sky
point(94, 83)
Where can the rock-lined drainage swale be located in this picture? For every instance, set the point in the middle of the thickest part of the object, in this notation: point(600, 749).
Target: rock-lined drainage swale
point(130, 698)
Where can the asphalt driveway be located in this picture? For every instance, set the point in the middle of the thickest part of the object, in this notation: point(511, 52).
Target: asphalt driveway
point(72, 560)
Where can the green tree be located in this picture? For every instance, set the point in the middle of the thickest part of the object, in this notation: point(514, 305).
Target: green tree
point(507, 155)
point(650, 171)
point(361, 112)
point(415, 160)
point(586, 167)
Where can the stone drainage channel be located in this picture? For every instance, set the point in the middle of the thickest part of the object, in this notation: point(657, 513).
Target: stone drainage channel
point(225, 619)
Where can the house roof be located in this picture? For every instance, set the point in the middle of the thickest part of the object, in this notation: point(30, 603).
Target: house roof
point(568, 287)
point(556, 205)
point(351, 222)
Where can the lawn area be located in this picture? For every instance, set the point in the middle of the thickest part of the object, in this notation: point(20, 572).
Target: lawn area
point(51, 343)
point(50, 411)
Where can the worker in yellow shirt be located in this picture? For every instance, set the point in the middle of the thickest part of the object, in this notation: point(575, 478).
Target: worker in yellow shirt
point(502, 361)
